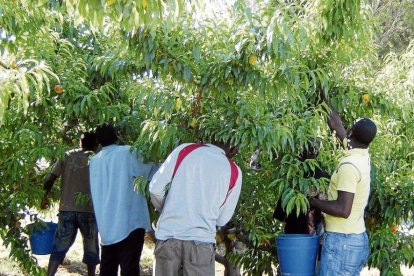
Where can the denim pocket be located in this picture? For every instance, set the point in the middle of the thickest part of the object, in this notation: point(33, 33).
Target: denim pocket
point(65, 225)
point(355, 254)
point(202, 254)
point(163, 250)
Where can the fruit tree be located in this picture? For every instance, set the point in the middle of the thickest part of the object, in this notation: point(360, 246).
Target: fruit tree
point(167, 72)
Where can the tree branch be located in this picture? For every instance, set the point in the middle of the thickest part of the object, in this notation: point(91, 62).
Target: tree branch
point(2, 64)
point(220, 259)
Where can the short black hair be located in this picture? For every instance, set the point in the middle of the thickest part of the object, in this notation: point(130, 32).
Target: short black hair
point(106, 134)
point(311, 149)
point(88, 141)
point(364, 131)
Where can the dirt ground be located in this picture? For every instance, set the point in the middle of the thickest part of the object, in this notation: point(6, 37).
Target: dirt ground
point(73, 263)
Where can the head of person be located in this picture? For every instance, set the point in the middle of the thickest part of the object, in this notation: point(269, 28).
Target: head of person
point(361, 134)
point(228, 148)
point(106, 135)
point(88, 141)
point(311, 150)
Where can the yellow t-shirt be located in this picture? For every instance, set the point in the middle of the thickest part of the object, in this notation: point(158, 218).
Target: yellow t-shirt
point(352, 175)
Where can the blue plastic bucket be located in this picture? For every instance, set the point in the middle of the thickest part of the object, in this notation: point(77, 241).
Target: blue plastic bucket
point(297, 254)
point(41, 240)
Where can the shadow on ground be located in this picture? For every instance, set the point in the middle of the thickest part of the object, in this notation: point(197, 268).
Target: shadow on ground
point(79, 268)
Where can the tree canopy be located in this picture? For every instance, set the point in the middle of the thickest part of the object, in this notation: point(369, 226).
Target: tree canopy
point(167, 72)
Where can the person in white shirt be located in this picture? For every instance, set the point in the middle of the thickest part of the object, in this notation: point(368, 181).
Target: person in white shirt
point(121, 212)
point(196, 189)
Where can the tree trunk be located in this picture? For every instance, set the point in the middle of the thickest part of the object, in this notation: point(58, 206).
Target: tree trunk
point(230, 269)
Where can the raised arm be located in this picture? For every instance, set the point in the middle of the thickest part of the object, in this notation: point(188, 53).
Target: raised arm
point(335, 124)
point(334, 120)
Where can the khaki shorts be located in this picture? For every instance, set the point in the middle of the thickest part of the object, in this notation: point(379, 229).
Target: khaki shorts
point(176, 257)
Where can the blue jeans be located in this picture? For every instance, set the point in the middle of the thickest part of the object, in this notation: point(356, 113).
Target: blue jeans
point(68, 225)
point(343, 254)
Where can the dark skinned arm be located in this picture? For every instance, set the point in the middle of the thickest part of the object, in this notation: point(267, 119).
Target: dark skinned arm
point(47, 186)
point(335, 124)
point(49, 181)
point(334, 120)
point(341, 207)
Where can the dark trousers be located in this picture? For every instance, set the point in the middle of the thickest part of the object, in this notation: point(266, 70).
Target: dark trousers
point(69, 223)
point(125, 253)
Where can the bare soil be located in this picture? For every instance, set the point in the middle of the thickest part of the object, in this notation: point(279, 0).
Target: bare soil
point(73, 263)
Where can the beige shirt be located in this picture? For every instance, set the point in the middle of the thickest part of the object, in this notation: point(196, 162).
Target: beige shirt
point(75, 189)
point(352, 175)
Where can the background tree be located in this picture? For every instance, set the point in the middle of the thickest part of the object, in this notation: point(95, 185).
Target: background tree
point(395, 25)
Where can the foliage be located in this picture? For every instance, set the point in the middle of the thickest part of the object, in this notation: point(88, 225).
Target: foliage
point(395, 24)
point(41, 50)
point(391, 204)
point(250, 73)
point(129, 14)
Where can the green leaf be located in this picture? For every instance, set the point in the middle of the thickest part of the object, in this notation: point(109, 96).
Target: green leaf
point(196, 53)
point(187, 73)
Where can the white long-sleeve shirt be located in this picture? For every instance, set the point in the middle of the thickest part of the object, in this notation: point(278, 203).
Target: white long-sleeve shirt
point(194, 205)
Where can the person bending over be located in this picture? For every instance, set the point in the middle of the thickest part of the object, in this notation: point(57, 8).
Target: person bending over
point(196, 189)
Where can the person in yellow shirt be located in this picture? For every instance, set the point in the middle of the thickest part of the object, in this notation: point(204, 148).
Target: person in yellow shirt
point(346, 246)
